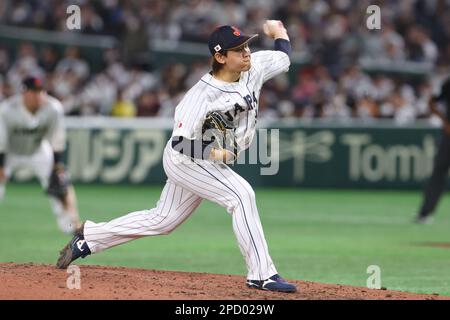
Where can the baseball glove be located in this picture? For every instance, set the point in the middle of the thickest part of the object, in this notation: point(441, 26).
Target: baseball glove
point(218, 129)
point(59, 183)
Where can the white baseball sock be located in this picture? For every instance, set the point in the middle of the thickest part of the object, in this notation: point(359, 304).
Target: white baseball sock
point(63, 218)
point(2, 191)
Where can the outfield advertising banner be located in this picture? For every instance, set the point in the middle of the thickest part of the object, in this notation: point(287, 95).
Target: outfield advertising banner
point(116, 155)
point(351, 157)
point(300, 155)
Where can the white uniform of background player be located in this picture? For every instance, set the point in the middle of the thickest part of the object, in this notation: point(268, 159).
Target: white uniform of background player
point(29, 140)
point(192, 180)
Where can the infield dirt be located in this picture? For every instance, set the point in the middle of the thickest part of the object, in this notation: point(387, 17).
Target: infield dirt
point(39, 282)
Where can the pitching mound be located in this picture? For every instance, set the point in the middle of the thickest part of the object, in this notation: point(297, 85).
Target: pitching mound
point(444, 245)
point(35, 281)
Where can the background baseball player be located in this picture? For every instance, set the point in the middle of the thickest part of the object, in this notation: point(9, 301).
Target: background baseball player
point(436, 184)
point(32, 134)
point(224, 99)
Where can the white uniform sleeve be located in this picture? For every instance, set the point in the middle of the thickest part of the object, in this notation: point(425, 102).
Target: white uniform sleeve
point(270, 63)
point(3, 131)
point(56, 133)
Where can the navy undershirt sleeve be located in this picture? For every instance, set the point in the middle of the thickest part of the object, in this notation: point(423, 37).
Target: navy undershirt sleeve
point(283, 45)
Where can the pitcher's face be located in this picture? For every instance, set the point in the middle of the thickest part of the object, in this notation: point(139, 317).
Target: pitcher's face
point(239, 59)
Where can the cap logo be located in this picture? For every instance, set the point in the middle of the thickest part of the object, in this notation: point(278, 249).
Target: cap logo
point(217, 48)
point(236, 32)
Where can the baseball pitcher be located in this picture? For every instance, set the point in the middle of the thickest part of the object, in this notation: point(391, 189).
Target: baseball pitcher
point(214, 121)
point(32, 134)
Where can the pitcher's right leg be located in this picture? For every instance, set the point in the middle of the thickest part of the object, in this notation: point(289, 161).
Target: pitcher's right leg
point(218, 183)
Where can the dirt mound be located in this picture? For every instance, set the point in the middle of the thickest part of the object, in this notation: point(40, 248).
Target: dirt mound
point(445, 245)
point(36, 281)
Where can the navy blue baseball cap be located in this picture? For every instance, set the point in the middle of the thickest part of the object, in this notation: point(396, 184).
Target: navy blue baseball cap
point(33, 83)
point(227, 37)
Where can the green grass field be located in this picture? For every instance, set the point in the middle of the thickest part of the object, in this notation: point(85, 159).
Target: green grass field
point(327, 236)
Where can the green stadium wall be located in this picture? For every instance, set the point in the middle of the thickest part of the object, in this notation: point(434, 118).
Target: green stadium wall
point(288, 155)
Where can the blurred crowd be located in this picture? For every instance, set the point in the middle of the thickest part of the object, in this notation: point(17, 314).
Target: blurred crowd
point(333, 84)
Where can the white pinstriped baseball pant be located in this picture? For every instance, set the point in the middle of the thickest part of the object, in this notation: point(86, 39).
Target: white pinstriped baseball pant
point(188, 183)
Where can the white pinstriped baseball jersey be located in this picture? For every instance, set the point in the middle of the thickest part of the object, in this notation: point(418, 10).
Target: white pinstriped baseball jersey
point(190, 180)
point(238, 99)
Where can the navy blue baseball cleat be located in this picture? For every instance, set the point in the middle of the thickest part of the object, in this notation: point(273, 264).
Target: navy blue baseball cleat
point(76, 248)
point(274, 283)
